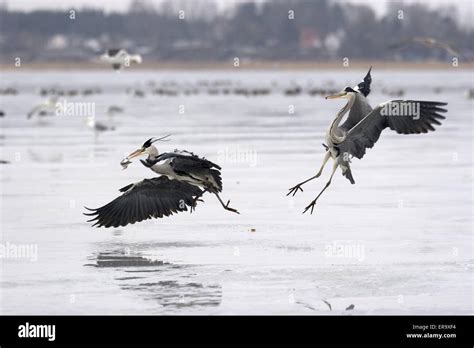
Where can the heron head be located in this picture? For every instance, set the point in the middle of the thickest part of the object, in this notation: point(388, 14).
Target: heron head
point(147, 148)
point(345, 93)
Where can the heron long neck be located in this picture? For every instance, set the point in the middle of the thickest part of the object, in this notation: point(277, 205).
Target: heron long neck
point(153, 153)
point(334, 131)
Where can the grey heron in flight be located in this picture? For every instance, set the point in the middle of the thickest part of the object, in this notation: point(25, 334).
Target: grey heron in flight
point(48, 107)
point(119, 58)
point(428, 42)
point(363, 127)
point(184, 178)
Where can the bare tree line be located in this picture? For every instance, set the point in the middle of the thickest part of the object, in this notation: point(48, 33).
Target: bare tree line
point(198, 31)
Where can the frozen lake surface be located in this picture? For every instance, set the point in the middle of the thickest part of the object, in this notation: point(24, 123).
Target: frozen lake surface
point(398, 242)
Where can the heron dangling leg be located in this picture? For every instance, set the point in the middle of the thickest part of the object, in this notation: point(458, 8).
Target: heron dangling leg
point(295, 189)
point(313, 203)
point(196, 199)
point(226, 206)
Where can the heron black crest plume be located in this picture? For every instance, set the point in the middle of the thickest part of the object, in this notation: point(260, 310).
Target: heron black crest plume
point(151, 140)
point(112, 52)
point(364, 86)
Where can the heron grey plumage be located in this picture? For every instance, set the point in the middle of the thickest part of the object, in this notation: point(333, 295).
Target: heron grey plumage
point(146, 199)
point(363, 127)
point(184, 178)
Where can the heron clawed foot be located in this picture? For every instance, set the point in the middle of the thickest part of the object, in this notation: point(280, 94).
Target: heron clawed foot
point(311, 205)
point(193, 206)
point(226, 207)
point(295, 189)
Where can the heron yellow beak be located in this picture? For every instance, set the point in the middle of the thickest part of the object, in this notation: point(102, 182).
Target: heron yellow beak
point(337, 95)
point(136, 153)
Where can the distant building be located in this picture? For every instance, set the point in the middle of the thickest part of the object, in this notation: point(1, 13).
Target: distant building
point(57, 42)
point(309, 38)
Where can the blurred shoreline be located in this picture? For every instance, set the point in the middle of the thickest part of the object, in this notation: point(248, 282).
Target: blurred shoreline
point(245, 65)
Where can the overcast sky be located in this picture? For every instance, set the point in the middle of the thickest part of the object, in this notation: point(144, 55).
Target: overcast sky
point(464, 7)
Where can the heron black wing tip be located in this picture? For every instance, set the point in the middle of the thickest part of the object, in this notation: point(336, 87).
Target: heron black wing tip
point(93, 219)
point(435, 102)
point(92, 212)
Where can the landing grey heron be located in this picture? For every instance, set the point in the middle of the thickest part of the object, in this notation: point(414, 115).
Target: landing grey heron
point(363, 127)
point(183, 174)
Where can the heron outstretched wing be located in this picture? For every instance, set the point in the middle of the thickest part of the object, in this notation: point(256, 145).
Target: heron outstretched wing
point(366, 133)
point(428, 42)
point(399, 44)
point(149, 198)
point(449, 48)
point(34, 111)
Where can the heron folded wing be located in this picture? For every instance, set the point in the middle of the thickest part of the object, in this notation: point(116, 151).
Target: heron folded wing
point(197, 167)
point(149, 198)
point(402, 116)
point(113, 52)
point(359, 110)
point(186, 159)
